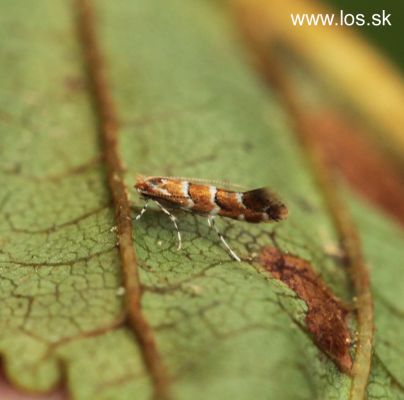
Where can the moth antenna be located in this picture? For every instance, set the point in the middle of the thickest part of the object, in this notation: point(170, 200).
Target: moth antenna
point(199, 180)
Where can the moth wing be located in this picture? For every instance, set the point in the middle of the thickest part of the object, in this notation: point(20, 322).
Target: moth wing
point(265, 200)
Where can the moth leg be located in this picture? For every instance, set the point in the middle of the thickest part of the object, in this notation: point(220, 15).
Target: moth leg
point(142, 211)
point(174, 221)
point(211, 223)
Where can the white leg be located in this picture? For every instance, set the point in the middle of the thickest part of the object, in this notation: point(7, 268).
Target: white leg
point(211, 223)
point(142, 211)
point(174, 221)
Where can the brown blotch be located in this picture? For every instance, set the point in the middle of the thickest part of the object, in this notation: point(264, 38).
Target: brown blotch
point(325, 319)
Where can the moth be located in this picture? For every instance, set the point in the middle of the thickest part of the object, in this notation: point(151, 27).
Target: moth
point(195, 196)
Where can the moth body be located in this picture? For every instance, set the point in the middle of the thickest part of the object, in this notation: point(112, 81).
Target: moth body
point(259, 205)
point(254, 206)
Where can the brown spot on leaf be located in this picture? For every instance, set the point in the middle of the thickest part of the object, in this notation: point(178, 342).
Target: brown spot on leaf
point(325, 319)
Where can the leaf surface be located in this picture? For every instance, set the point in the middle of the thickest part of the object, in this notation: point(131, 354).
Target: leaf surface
point(188, 104)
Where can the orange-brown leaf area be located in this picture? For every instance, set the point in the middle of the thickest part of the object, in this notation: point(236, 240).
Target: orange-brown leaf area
point(351, 141)
point(326, 315)
point(365, 167)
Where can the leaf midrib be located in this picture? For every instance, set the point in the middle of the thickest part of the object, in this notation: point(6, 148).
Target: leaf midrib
point(106, 115)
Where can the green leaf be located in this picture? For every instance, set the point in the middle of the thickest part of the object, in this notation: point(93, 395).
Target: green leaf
point(382, 242)
point(188, 104)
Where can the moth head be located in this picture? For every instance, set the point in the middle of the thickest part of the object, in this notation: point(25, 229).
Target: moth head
point(141, 184)
point(147, 184)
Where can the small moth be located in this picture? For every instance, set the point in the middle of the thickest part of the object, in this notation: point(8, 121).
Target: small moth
point(259, 205)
